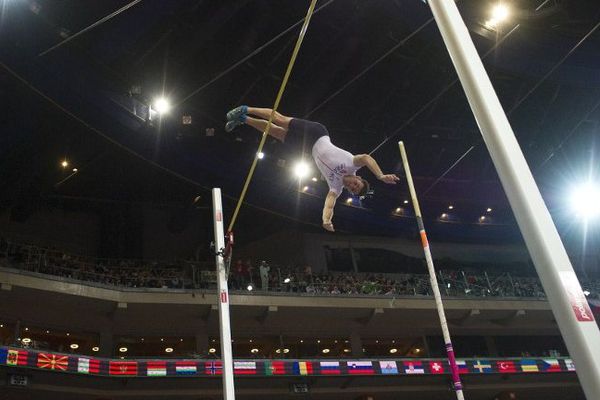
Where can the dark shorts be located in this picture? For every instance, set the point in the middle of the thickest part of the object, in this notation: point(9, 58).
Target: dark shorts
point(304, 133)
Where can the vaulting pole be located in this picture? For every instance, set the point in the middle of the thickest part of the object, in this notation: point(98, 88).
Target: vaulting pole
point(223, 298)
point(570, 307)
point(432, 277)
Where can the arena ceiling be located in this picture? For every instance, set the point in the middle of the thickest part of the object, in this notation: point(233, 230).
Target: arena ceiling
point(374, 72)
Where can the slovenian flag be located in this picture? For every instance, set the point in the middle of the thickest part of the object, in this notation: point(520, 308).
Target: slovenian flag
point(413, 367)
point(360, 367)
point(388, 367)
point(550, 365)
point(330, 367)
point(529, 366)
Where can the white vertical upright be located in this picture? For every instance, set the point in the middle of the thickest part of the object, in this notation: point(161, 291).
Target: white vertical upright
point(571, 310)
point(223, 297)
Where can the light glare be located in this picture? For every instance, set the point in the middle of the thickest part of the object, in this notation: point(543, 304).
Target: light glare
point(500, 13)
point(162, 105)
point(301, 170)
point(260, 155)
point(586, 201)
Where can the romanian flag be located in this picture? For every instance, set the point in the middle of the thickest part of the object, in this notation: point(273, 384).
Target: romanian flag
point(506, 367)
point(16, 357)
point(529, 366)
point(156, 368)
point(244, 367)
point(330, 367)
point(88, 365)
point(123, 368)
point(550, 365)
point(302, 368)
point(360, 367)
point(436, 367)
point(275, 368)
point(52, 361)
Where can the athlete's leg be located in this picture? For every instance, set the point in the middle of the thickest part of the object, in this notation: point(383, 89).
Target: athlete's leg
point(260, 124)
point(264, 113)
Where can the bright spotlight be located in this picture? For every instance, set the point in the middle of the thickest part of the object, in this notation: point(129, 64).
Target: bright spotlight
point(301, 169)
point(500, 13)
point(162, 105)
point(586, 201)
point(250, 287)
point(260, 155)
point(64, 163)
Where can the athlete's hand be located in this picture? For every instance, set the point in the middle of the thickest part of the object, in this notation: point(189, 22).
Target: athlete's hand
point(328, 226)
point(389, 179)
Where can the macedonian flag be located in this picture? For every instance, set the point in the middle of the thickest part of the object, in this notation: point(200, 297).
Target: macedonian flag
point(52, 361)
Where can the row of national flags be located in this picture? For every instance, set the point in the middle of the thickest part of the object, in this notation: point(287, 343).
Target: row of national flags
point(161, 368)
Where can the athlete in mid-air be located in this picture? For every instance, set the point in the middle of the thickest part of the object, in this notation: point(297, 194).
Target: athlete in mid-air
point(337, 165)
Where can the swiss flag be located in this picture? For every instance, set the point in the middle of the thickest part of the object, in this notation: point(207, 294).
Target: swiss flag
point(506, 367)
point(436, 367)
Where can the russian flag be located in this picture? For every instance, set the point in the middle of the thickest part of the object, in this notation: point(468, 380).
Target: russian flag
point(360, 367)
point(463, 367)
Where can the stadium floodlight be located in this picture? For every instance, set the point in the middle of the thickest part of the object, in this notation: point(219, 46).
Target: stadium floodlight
point(301, 169)
point(250, 287)
point(162, 105)
point(586, 201)
point(500, 13)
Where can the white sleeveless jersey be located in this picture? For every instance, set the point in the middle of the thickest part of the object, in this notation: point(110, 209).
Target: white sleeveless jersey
point(333, 162)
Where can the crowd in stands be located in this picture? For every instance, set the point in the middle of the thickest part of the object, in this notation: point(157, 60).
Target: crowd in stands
point(247, 276)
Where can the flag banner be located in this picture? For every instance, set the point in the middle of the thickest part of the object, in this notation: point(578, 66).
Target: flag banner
point(244, 367)
point(3, 355)
point(18, 358)
point(88, 365)
point(463, 367)
point(277, 368)
point(123, 368)
point(213, 368)
point(413, 367)
point(506, 367)
point(437, 367)
point(529, 366)
point(186, 367)
point(569, 364)
point(388, 367)
point(330, 368)
point(550, 365)
point(156, 368)
point(360, 367)
point(302, 368)
point(52, 361)
point(482, 367)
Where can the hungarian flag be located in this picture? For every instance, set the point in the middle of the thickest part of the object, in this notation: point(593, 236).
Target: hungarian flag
point(88, 365)
point(156, 368)
point(275, 368)
point(52, 361)
point(413, 367)
point(213, 368)
point(436, 367)
point(330, 367)
point(123, 368)
point(186, 368)
point(550, 365)
point(506, 367)
point(360, 367)
point(244, 367)
point(16, 357)
point(302, 368)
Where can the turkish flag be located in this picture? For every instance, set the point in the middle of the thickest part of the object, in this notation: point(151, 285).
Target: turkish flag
point(506, 367)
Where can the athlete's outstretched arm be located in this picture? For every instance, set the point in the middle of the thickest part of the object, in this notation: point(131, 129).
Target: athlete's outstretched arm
point(328, 210)
point(362, 160)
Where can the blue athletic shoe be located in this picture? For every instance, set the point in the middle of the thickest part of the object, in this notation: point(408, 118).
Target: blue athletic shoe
point(238, 113)
point(231, 125)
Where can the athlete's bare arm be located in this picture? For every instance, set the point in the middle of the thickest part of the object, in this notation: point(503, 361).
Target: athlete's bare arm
point(365, 160)
point(328, 210)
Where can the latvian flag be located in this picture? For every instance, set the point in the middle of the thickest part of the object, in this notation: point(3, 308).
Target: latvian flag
point(463, 367)
point(569, 364)
point(88, 365)
point(360, 367)
point(123, 368)
point(550, 365)
point(213, 368)
point(186, 368)
point(529, 366)
point(275, 368)
point(330, 367)
point(16, 357)
point(302, 368)
point(436, 367)
point(506, 367)
point(52, 361)
point(388, 367)
point(413, 367)
point(156, 368)
point(244, 367)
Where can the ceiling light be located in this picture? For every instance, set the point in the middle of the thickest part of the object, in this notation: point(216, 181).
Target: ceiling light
point(123, 349)
point(250, 341)
point(346, 350)
point(64, 163)
point(74, 346)
point(325, 351)
point(68, 334)
point(489, 209)
point(450, 207)
point(169, 350)
point(482, 218)
point(417, 350)
point(398, 209)
point(75, 170)
point(394, 350)
point(318, 340)
point(95, 348)
point(26, 329)
point(305, 188)
point(301, 341)
point(161, 105)
point(286, 351)
point(212, 350)
point(500, 13)
point(47, 331)
point(250, 287)
point(26, 340)
point(162, 339)
point(405, 201)
point(254, 351)
point(260, 155)
point(278, 351)
point(301, 169)
point(586, 201)
point(1, 325)
point(444, 215)
point(314, 179)
point(586, 292)
point(287, 280)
